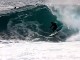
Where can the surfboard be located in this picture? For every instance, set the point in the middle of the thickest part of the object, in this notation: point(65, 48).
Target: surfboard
point(56, 31)
point(53, 34)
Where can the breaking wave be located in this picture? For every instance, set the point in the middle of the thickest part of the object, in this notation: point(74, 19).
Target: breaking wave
point(32, 22)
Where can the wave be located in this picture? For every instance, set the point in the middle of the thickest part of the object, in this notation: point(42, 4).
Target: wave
point(30, 22)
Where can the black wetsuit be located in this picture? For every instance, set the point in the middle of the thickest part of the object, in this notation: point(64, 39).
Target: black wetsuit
point(53, 26)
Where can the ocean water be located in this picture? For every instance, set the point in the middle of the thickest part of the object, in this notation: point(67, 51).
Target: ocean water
point(28, 20)
point(25, 32)
point(34, 21)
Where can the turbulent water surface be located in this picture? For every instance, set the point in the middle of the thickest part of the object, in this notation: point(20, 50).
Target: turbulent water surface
point(22, 50)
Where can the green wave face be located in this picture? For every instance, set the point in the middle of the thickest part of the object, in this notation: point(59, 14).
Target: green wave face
point(28, 19)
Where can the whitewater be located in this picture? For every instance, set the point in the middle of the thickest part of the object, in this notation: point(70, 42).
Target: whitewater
point(22, 50)
point(41, 50)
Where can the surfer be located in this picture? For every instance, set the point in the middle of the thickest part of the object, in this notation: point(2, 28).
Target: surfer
point(53, 26)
